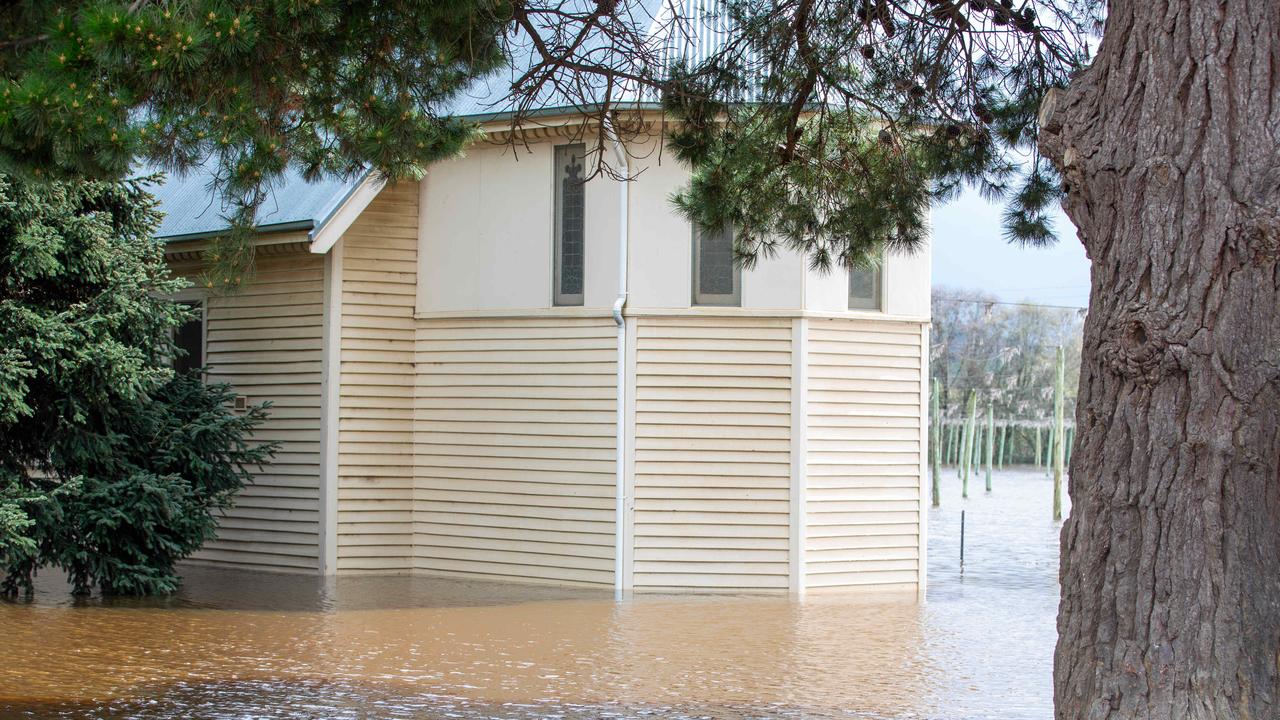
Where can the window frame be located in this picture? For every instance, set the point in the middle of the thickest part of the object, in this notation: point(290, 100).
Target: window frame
point(876, 302)
point(558, 298)
point(200, 301)
point(699, 298)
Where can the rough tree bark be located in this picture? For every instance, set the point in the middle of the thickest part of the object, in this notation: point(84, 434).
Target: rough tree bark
point(1171, 557)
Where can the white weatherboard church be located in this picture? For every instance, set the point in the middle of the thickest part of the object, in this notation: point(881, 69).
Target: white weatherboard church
point(504, 372)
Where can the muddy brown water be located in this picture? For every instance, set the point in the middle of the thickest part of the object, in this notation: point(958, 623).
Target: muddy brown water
point(250, 645)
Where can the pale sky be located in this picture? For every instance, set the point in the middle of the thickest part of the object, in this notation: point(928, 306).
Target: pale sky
point(969, 251)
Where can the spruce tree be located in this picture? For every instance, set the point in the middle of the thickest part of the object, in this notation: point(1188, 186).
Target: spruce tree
point(111, 468)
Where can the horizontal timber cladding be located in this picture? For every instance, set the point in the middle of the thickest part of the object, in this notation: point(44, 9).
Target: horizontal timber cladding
point(265, 340)
point(515, 463)
point(712, 452)
point(863, 511)
point(375, 402)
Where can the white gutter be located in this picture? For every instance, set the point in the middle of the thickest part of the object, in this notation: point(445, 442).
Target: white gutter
point(330, 228)
point(620, 422)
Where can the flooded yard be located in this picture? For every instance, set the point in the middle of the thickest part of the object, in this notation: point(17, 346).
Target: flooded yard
point(243, 645)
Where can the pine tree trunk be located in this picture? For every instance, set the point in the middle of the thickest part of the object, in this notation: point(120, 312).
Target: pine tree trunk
point(1171, 555)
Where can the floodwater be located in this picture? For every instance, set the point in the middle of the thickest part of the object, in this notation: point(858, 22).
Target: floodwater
point(246, 645)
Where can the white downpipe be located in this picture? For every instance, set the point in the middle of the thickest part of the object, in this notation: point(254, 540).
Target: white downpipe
point(620, 440)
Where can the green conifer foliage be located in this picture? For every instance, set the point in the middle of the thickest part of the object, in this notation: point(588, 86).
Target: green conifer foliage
point(110, 467)
point(87, 87)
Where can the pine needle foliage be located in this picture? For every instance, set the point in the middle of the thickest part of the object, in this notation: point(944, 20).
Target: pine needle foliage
point(111, 468)
point(830, 126)
point(332, 87)
point(840, 203)
point(833, 125)
point(827, 126)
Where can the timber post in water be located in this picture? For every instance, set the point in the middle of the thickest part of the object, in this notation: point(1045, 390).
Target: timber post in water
point(1059, 452)
point(951, 443)
point(975, 448)
point(970, 428)
point(1037, 460)
point(991, 441)
point(1053, 438)
point(1004, 429)
point(935, 449)
point(1007, 453)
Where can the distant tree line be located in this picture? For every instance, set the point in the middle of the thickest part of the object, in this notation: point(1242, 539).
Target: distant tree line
point(1006, 353)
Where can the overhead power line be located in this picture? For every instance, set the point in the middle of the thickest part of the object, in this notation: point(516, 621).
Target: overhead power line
point(1017, 304)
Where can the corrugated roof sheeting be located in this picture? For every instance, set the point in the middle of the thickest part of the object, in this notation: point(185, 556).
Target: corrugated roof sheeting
point(193, 209)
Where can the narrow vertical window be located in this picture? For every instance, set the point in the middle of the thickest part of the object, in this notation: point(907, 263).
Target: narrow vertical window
point(570, 240)
point(716, 276)
point(864, 288)
point(189, 339)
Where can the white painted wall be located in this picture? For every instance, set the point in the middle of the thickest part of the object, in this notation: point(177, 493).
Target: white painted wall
point(905, 286)
point(485, 239)
point(486, 242)
point(906, 282)
point(661, 263)
point(775, 283)
point(826, 292)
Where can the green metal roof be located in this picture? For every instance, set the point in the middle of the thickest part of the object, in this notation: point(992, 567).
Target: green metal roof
point(193, 210)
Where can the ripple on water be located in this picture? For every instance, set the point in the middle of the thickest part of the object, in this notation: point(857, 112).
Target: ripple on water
point(237, 645)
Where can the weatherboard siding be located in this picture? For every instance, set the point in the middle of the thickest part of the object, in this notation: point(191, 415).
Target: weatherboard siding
point(515, 451)
point(863, 510)
point(375, 399)
point(712, 452)
point(265, 340)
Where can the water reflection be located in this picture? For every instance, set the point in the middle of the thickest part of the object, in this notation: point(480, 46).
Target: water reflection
point(250, 645)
